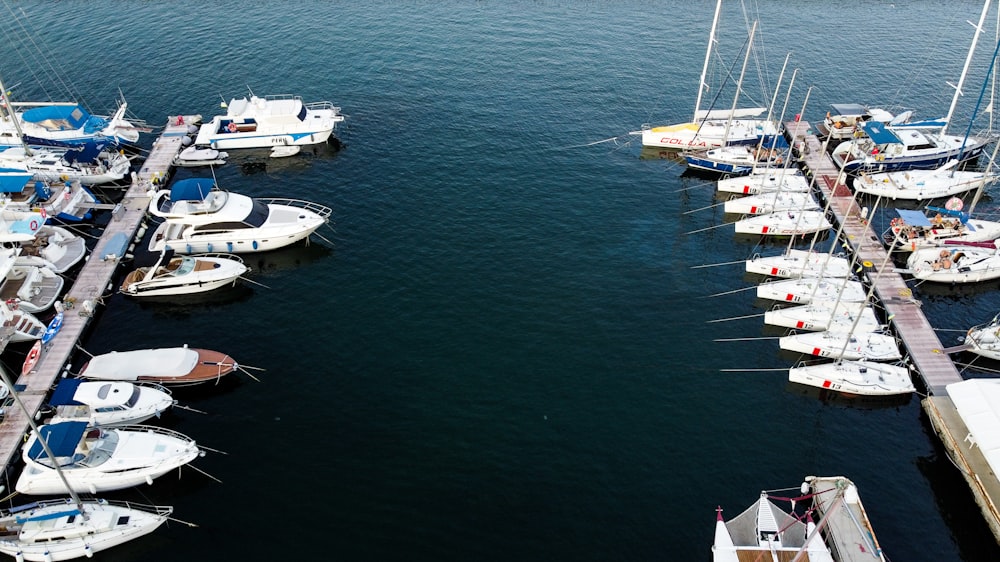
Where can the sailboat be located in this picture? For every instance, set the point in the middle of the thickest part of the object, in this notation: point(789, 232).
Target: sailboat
point(800, 263)
point(66, 125)
point(90, 163)
point(820, 315)
point(765, 203)
point(68, 528)
point(766, 180)
point(956, 264)
point(984, 340)
point(804, 290)
point(851, 345)
point(709, 129)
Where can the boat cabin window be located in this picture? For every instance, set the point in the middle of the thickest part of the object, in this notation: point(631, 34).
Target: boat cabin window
point(302, 113)
point(134, 399)
point(187, 266)
point(258, 214)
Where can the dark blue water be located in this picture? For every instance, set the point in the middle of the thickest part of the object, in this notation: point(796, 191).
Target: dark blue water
point(503, 353)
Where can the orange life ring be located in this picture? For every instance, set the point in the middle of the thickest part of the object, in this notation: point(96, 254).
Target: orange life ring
point(33, 225)
point(231, 127)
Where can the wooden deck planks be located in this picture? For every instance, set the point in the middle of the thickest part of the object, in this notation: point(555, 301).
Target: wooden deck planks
point(90, 286)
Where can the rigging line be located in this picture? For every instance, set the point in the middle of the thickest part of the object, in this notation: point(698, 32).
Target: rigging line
point(196, 469)
point(733, 318)
point(714, 205)
point(717, 264)
point(756, 338)
point(615, 139)
point(713, 227)
point(760, 370)
point(734, 291)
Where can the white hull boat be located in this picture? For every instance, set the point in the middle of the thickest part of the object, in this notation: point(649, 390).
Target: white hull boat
point(736, 159)
point(862, 378)
point(65, 530)
point(65, 201)
point(284, 151)
point(800, 263)
point(806, 289)
point(59, 248)
point(914, 230)
point(200, 219)
point(101, 459)
point(764, 203)
point(34, 288)
point(709, 133)
point(282, 120)
point(174, 366)
point(920, 185)
point(958, 264)
point(194, 156)
point(55, 164)
point(24, 325)
point(66, 125)
point(985, 340)
point(784, 223)
point(847, 118)
point(108, 404)
point(183, 275)
point(858, 345)
point(904, 148)
point(766, 180)
point(821, 316)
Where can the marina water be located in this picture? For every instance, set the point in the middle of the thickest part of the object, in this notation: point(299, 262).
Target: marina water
point(504, 352)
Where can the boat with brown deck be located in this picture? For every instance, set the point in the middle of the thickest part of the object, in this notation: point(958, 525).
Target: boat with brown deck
point(175, 366)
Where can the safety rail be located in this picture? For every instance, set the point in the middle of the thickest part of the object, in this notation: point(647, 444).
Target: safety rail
point(321, 210)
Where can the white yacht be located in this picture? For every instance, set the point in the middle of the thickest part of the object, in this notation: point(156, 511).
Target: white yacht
point(269, 121)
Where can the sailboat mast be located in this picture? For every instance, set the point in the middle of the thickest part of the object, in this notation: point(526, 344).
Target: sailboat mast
point(739, 85)
point(41, 439)
point(965, 69)
point(9, 105)
point(708, 57)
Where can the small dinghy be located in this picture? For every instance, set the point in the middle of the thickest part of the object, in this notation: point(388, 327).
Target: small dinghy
point(863, 378)
point(283, 151)
point(181, 275)
point(193, 156)
point(33, 356)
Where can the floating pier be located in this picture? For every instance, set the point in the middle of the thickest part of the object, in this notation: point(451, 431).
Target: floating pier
point(935, 368)
point(92, 284)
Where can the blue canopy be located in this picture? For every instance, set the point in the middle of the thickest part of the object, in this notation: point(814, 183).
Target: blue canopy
point(86, 152)
point(74, 115)
point(879, 133)
point(47, 516)
point(194, 189)
point(63, 394)
point(61, 437)
point(913, 218)
point(14, 182)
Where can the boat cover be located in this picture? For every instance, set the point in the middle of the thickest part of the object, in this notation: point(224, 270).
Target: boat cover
point(14, 182)
point(914, 218)
point(193, 189)
point(128, 365)
point(743, 527)
point(848, 109)
point(64, 393)
point(86, 152)
point(47, 516)
point(61, 437)
point(978, 404)
point(879, 133)
point(74, 115)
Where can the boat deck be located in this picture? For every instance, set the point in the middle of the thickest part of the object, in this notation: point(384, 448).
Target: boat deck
point(935, 369)
point(91, 286)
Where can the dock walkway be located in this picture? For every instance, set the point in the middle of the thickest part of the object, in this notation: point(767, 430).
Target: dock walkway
point(935, 369)
point(92, 284)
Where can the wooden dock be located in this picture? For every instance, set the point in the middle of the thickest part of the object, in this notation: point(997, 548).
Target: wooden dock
point(92, 284)
point(935, 369)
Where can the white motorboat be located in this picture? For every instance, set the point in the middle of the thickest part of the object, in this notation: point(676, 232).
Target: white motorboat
point(784, 223)
point(860, 377)
point(174, 366)
point(806, 289)
point(823, 315)
point(65, 529)
point(873, 346)
point(766, 180)
point(201, 219)
point(800, 263)
point(101, 459)
point(846, 118)
point(182, 275)
point(956, 264)
point(34, 288)
point(765, 203)
point(24, 325)
point(108, 404)
point(907, 147)
point(269, 121)
point(195, 156)
point(921, 185)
